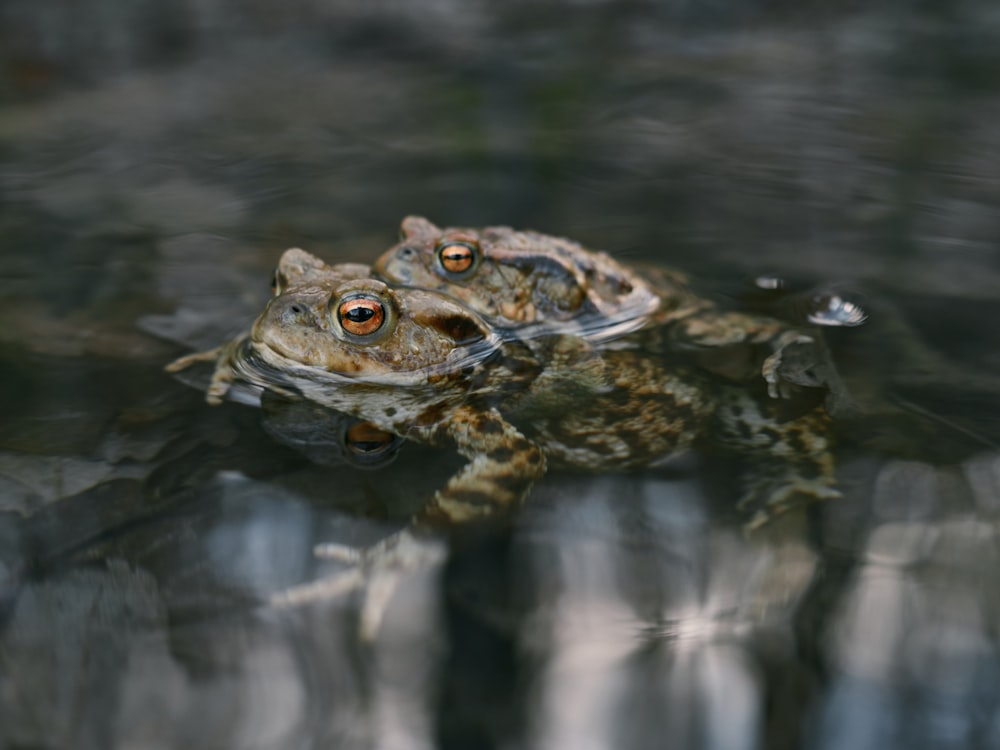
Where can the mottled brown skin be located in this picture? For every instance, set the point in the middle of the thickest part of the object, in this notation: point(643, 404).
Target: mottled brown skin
point(527, 279)
point(342, 439)
point(538, 284)
point(431, 374)
point(296, 267)
point(435, 372)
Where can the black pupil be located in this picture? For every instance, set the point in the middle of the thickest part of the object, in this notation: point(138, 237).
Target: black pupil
point(360, 314)
point(457, 254)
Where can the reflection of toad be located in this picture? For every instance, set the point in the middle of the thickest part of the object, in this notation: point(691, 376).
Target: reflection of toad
point(419, 364)
point(325, 436)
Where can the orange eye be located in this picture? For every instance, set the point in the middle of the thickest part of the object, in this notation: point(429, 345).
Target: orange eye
point(457, 256)
point(361, 316)
point(365, 439)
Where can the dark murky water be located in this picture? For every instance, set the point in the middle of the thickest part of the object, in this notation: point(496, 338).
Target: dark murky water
point(155, 160)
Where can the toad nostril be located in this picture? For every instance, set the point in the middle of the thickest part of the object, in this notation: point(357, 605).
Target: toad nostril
point(296, 309)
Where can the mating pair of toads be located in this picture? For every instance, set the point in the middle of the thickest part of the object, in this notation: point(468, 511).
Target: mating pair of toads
point(525, 351)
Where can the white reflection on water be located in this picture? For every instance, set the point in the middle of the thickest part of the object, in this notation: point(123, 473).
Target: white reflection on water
point(648, 624)
point(648, 638)
point(915, 662)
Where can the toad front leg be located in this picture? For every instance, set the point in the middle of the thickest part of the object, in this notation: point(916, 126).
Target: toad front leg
point(724, 330)
point(503, 465)
point(222, 376)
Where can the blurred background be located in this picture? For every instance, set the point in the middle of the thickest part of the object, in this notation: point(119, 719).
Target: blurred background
point(157, 157)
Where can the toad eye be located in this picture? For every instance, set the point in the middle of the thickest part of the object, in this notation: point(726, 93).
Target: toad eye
point(361, 316)
point(365, 440)
point(457, 256)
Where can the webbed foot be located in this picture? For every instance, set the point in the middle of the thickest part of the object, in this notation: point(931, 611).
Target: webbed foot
point(766, 500)
point(222, 376)
point(778, 375)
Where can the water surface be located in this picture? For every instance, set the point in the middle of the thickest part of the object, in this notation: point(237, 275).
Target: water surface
point(155, 161)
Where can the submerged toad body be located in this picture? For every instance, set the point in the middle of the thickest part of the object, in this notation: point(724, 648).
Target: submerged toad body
point(538, 284)
point(419, 364)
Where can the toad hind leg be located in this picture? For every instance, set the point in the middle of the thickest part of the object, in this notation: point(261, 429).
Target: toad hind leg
point(790, 463)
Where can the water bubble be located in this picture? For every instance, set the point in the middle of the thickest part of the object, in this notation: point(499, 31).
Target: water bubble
point(768, 281)
point(830, 309)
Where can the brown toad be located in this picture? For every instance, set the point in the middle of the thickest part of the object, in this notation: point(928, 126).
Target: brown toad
point(418, 364)
point(538, 284)
point(325, 436)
